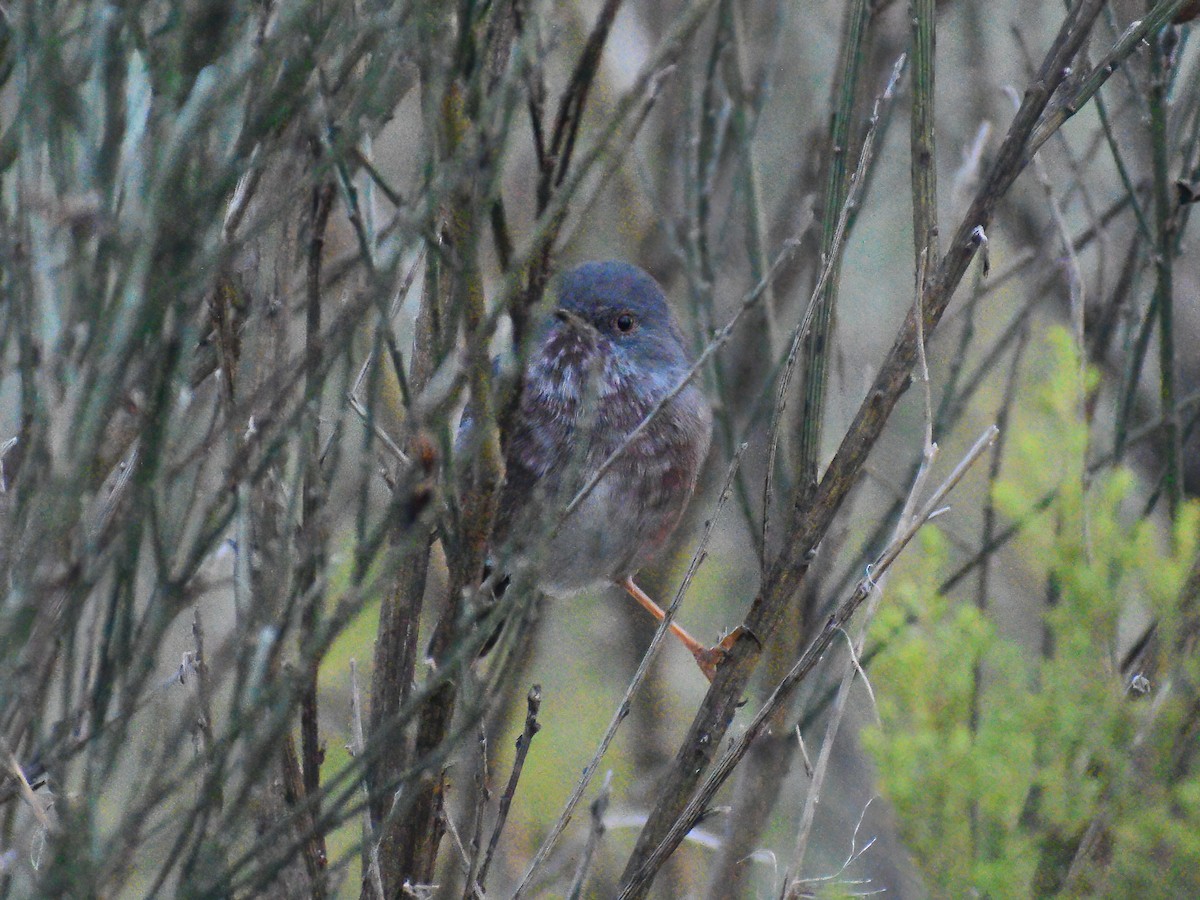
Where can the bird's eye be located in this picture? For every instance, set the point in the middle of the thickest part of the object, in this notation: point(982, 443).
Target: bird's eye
point(624, 323)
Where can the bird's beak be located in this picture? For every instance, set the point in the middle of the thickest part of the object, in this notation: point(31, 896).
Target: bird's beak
point(568, 318)
point(574, 321)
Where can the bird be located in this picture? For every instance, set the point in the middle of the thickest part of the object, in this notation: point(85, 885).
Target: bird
point(603, 359)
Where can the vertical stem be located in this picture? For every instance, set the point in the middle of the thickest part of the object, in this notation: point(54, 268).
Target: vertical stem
point(816, 346)
point(312, 551)
point(924, 158)
point(1164, 226)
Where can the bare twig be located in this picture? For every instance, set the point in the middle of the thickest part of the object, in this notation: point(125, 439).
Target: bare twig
point(599, 808)
point(356, 748)
point(533, 703)
point(471, 887)
point(1164, 263)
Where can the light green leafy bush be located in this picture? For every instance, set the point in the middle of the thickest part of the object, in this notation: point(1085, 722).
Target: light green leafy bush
point(1028, 767)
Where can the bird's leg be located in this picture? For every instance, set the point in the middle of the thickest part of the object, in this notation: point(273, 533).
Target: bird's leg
point(708, 658)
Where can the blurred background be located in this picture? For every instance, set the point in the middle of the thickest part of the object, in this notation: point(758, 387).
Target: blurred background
point(256, 257)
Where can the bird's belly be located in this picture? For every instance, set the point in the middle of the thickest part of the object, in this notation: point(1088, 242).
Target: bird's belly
point(607, 537)
point(590, 547)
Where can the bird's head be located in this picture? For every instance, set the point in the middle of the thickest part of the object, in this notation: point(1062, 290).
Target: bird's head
point(617, 308)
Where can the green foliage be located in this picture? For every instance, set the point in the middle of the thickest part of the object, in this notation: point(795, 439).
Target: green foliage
point(1000, 754)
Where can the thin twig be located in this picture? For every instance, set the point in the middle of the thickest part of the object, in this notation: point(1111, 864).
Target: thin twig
point(922, 362)
point(599, 808)
point(204, 722)
point(472, 889)
point(35, 803)
point(356, 748)
point(377, 430)
point(1164, 265)
point(533, 703)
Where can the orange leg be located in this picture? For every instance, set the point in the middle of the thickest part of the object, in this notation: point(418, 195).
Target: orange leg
point(708, 658)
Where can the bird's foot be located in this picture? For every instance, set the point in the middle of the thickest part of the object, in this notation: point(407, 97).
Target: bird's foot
point(709, 658)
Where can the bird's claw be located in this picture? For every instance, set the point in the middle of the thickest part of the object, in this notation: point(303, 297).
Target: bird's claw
point(709, 658)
